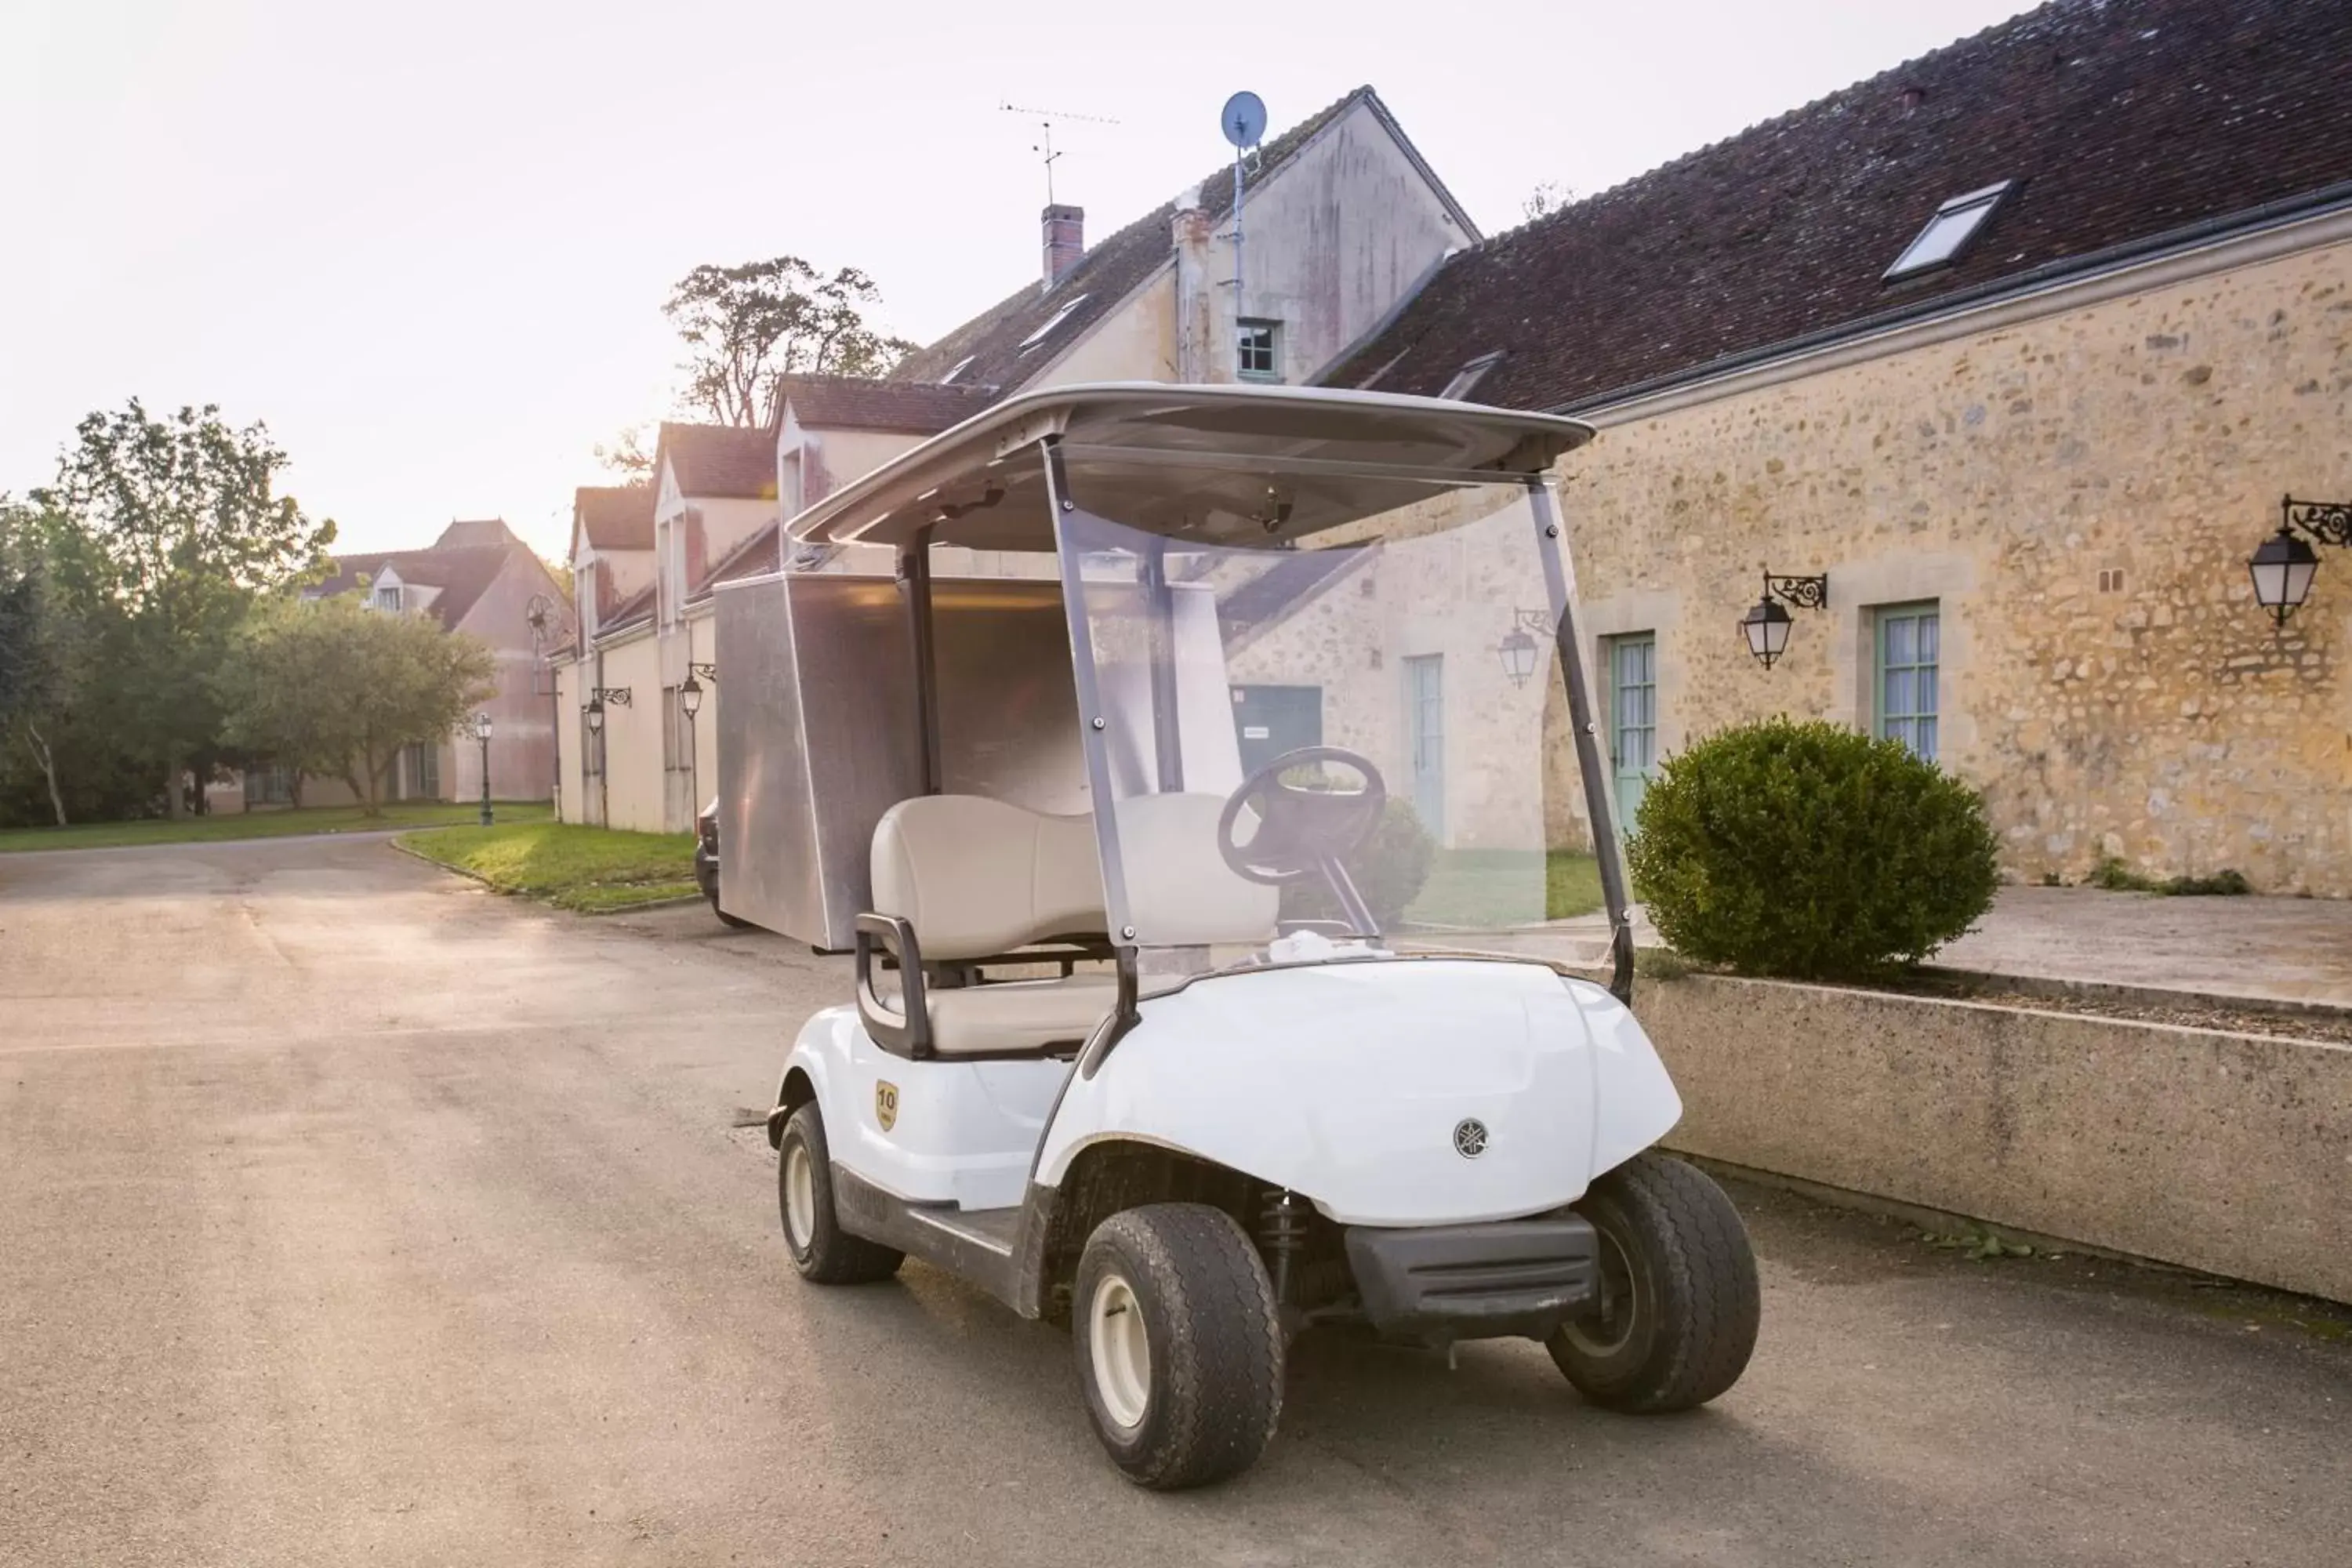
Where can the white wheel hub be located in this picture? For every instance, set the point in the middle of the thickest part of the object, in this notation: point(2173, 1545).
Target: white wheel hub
point(1121, 1351)
point(800, 1197)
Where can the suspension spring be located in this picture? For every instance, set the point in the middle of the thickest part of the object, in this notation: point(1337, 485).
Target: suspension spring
point(1282, 1231)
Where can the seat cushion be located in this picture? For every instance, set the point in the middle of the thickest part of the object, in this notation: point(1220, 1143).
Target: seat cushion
point(976, 877)
point(1019, 1015)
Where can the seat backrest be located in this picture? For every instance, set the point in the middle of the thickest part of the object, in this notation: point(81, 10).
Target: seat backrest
point(977, 877)
point(1179, 888)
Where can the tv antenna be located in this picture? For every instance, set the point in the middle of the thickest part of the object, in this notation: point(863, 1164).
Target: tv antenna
point(1044, 146)
point(1242, 119)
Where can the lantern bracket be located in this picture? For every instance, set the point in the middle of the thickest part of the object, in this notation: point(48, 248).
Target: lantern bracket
point(1799, 593)
point(708, 672)
point(2321, 522)
point(612, 696)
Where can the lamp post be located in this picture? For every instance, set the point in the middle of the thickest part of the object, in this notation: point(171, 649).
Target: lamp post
point(2284, 564)
point(689, 702)
point(482, 733)
point(1768, 622)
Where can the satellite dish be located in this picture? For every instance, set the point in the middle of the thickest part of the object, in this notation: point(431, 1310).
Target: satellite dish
point(1244, 120)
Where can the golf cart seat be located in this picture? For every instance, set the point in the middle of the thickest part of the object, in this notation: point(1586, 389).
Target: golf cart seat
point(961, 879)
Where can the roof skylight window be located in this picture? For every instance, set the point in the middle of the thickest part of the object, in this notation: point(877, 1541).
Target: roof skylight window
point(1466, 380)
point(1950, 232)
point(957, 369)
point(1056, 320)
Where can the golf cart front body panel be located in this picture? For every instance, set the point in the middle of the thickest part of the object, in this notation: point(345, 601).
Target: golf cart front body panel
point(1409, 1093)
point(1442, 1283)
point(960, 1132)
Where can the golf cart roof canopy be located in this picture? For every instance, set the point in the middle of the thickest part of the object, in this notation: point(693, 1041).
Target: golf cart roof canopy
point(1237, 466)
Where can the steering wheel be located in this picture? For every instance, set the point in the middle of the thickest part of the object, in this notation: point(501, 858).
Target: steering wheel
point(1300, 831)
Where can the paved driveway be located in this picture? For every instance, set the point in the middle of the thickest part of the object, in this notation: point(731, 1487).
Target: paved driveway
point(348, 1214)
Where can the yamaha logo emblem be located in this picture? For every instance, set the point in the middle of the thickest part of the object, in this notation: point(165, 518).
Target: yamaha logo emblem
point(1470, 1138)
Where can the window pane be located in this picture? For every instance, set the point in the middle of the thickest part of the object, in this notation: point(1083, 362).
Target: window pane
point(1925, 741)
point(1898, 694)
point(1924, 689)
point(1901, 640)
point(1929, 630)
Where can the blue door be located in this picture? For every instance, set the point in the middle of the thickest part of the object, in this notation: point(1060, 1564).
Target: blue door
point(1424, 716)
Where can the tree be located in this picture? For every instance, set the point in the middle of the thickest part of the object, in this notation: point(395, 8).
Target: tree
point(745, 326)
point(33, 664)
point(330, 686)
point(626, 456)
point(163, 531)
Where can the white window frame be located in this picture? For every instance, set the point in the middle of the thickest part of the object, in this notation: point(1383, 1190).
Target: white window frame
point(1954, 228)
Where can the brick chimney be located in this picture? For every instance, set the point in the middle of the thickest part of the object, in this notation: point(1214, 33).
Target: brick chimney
point(1065, 241)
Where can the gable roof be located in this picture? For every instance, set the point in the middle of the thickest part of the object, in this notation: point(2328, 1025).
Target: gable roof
point(614, 517)
point(475, 531)
point(1115, 267)
point(718, 460)
point(855, 403)
point(755, 556)
point(462, 575)
point(2124, 122)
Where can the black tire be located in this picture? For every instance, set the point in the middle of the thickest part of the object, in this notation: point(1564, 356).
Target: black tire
point(1680, 1301)
point(828, 1255)
point(1214, 1339)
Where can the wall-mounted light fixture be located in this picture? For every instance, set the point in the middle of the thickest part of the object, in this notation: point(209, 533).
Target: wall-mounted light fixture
point(1518, 649)
point(2284, 564)
point(1766, 622)
point(598, 697)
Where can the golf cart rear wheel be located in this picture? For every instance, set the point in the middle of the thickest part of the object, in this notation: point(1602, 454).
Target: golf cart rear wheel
point(1179, 1346)
point(1679, 1304)
point(824, 1252)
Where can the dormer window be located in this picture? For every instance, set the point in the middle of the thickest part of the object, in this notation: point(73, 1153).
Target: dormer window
point(1949, 232)
point(1471, 373)
point(1042, 334)
point(955, 371)
point(388, 597)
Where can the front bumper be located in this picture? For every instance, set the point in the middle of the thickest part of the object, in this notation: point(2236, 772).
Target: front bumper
point(1437, 1284)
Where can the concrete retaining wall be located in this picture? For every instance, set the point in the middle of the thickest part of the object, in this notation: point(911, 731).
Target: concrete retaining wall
point(2226, 1153)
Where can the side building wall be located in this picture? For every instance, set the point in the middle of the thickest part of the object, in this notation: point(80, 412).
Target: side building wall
point(2074, 498)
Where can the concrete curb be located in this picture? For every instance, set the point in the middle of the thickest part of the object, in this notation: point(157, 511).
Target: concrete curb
point(677, 903)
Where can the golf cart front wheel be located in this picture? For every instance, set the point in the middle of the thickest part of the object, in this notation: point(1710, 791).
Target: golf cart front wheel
point(1179, 1346)
point(1679, 1304)
point(824, 1252)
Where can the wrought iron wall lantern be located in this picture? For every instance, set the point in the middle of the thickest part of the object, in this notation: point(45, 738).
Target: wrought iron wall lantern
point(1767, 622)
point(1520, 649)
point(2284, 564)
point(598, 697)
point(689, 697)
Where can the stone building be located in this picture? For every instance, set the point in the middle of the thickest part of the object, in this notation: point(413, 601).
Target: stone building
point(2019, 344)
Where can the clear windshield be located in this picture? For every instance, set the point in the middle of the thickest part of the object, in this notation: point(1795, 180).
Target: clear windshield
point(1365, 737)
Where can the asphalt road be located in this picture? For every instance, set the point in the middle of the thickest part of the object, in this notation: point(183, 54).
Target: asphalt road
point(349, 1215)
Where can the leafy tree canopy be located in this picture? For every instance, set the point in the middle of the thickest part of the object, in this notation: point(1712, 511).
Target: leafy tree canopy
point(745, 326)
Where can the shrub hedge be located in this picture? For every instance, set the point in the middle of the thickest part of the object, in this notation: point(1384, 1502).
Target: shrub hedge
point(1807, 850)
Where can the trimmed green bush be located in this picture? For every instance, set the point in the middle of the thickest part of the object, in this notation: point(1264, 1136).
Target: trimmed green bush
point(1809, 851)
point(1389, 871)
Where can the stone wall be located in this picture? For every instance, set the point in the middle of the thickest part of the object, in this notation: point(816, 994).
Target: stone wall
point(2080, 493)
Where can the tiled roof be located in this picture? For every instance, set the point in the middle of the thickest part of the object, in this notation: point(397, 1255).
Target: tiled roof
point(855, 403)
point(462, 575)
point(754, 557)
point(2122, 120)
point(1109, 271)
point(636, 608)
point(615, 517)
point(719, 460)
point(475, 531)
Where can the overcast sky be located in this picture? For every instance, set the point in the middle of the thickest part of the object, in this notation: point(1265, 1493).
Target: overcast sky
point(427, 243)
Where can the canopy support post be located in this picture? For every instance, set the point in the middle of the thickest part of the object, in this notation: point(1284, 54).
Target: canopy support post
point(915, 588)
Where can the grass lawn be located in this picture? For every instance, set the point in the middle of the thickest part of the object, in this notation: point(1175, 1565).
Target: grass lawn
point(1482, 890)
point(591, 869)
point(262, 824)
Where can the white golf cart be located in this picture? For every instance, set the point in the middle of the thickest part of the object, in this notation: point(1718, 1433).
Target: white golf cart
point(1218, 916)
